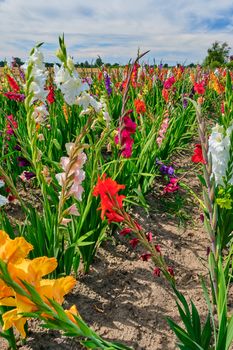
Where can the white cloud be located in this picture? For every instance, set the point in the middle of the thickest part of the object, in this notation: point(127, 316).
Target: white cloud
point(173, 30)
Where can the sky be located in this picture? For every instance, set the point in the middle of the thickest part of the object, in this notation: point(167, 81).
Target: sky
point(175, 31)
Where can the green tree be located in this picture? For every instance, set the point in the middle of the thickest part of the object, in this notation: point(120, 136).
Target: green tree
point(99, 62)
point(217, 54)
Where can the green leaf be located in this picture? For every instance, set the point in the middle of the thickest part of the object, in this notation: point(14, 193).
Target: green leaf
point(206, 333)
point(183, 336)
point(202, 180)
point(196, 323)
point(89, 344)
point(229, 333)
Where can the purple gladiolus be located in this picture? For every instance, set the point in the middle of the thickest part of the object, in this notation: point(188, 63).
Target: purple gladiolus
point(22, 161)
point(17, 148)
point(107, 81)
point(167, 170)
point(29, 174)
point(185, 103)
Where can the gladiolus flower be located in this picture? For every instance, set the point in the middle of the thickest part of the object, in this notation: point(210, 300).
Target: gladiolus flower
point(172, 186)
point(145, 256)
point(110, 199)
point(171, 271)
point(124, 136)
point(107, 81)
point(22, 162)
point(13, 250)
point(165, 95)
point(14, 96)
point(11, 125)
point(140, 106)
point(199, 88)
point(167, 170)
point(13, 84)
point(71, 312)
point(27, 175)
point(169, 82)
point(134, 242)
point(125, 231)
point(156, 272)
point(198, 156)
point(3, 200)
point(149, 236)
point(50, 96)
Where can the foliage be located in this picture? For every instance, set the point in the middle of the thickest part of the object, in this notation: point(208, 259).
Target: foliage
point(217, 54)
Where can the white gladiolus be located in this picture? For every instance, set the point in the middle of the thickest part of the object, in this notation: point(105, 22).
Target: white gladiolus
point(86, 100)
point(40, 114)
point(39, 74)
point(61, 75)
point(70, 85)
point(3, 200)
point(219, 149)
point(106, 115)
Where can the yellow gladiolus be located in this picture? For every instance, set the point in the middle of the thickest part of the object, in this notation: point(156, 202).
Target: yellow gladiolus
point(13, 250)
point(11, 318)
point(71, 312)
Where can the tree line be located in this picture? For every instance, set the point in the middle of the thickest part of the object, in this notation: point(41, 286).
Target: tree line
point(217, 55)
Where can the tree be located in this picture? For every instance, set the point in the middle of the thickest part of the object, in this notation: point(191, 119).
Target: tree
point(17, 61)
point(99, 62)
point(217, 53)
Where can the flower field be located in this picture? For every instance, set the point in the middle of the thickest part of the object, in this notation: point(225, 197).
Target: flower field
point(116, 206)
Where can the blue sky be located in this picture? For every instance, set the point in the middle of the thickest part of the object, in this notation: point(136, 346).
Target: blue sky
point(173, 30)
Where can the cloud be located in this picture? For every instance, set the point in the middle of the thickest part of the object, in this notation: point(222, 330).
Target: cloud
point(175, 31)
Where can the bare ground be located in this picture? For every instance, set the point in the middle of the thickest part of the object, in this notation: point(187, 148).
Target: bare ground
point(120, 298)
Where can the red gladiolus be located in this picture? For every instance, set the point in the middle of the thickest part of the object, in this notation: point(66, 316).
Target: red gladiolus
point(199, 88)
point(140, 106)
point(125, 231)
point(11, 125)
point(111, 201)
point(198, 156)
point(14, 96)
point(134, 242)
point(145, 256)
point(171, 271)
point(165, 95)
point(156, 272)
point(139, 227)
point(13, 84)
point(114, 217)
point(50, 96)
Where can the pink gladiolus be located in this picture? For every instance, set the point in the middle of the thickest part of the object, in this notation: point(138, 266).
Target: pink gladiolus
point(172, 186)
point(149, 236)
point(72, 210)
point(169, 82)
point(163, 129)
point(134, 242)
point(124, 136)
